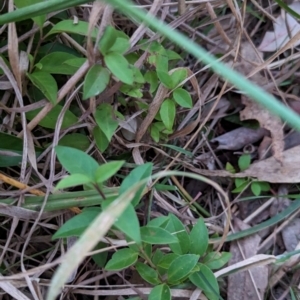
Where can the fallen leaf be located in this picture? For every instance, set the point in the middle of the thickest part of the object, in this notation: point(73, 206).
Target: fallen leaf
point(291, 235)
point(242, 285)
point(266, 120)
point(285, 28)
point(238, 138)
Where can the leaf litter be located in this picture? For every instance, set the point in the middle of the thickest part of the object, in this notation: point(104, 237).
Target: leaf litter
point(222, 125)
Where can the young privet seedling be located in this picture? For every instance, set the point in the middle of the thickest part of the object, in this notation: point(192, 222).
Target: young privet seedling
point(257, 187)
point(187, 259)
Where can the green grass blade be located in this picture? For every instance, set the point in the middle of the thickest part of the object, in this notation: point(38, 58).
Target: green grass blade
point(252, 90)
point(271, 222)
point(39, 9)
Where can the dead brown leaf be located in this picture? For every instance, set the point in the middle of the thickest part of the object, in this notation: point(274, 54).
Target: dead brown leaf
point(266, 120)
point(270, 169)
point(247, 285)
point(238, 138)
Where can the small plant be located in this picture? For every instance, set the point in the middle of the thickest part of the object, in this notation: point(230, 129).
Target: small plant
point(188, 258)
point(113, 64)
point(257, 187)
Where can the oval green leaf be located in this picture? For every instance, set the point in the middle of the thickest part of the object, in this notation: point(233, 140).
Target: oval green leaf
point(137, 174)
point(207, 282)
point(216, 260)
point(160, 292)
point(157, 236)
point(95, 81)
point(255, 188)
point(101, 140)
point(110, 41)
point(167, 260)
point(175, 227)
point(107, 170)
point(75, 140)
point(70, 26)
point(181, 267)
point(167, 113)
point(147, 273)
point(53, 63)
point(119, 66)
point(76, 161)
point(199, 238)
point(73, 180)
point(244, 162)
point(122, 259)
point(128, 222)
point(76, 225)
point(46, 83)
point(50, 120)
point(105, 120)
point(183, 98)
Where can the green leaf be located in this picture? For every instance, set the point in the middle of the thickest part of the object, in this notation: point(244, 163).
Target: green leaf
point(230, 168)
point(121, 45)
point(264, 186)
point(50, 120)
point(95, 81)
point(23, 3)
point(137, 174)
point(175, 227)
point(199, 238)
point(167, 260)
point(45, 83)
point(216, 260)
point(255, 188)
point(75, 140)
point(69, 26)
point(240, 181)
point(147, 273)
point(107, 170)
point(77, 225)
point(160, 292)
point(101, 257)
point(137, 75)
point(178, 76)
point(207, 282)
point(161, 60)
point(157, 256)
point(157, 236)
point(167, 112)
point(12, 148)
point(113, 40)
point(105, 120)
point(151, 78)
point(159, 221)
point(53, 63)
point(119, 66)
point(154, 132)
point(244, 162)
point(240, 184)
point(128, 222)
point(122, 259)
point(132, 91)
point(101, 140)
point(73, 180)
point(76, 161)
point(172, 55)
point(181, 267)
point(165, 79)
point(183, 98)
point(75, 62)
